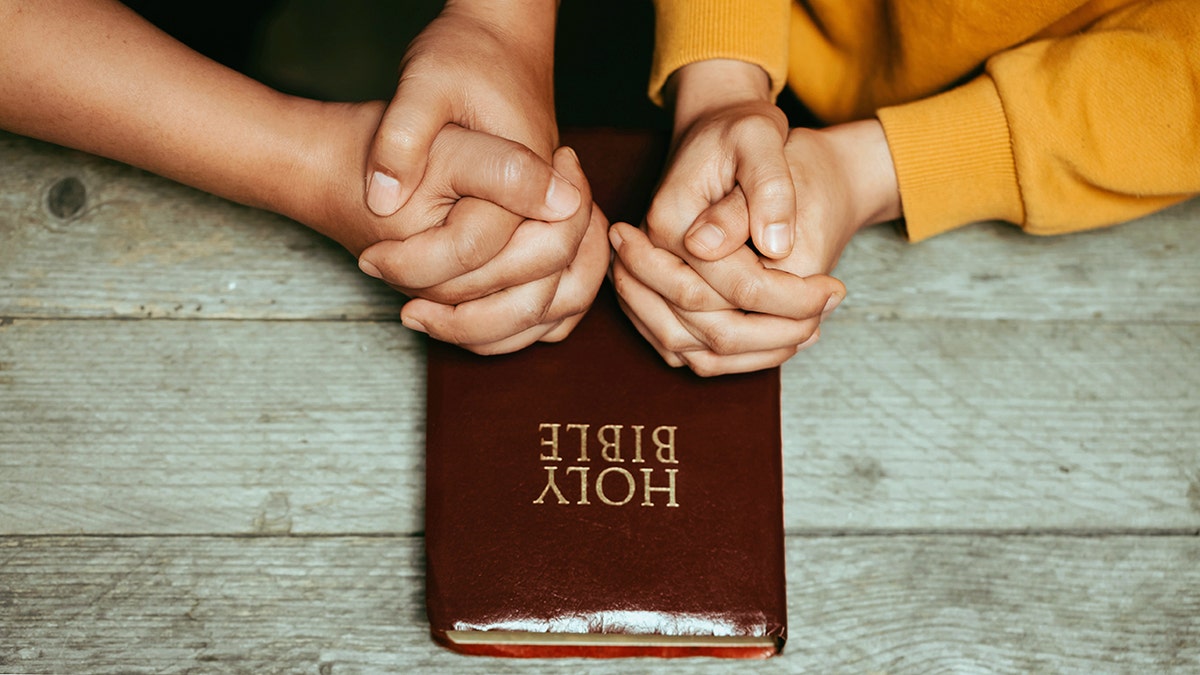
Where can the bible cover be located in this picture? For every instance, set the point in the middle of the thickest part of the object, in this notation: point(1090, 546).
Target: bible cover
point(585, 499)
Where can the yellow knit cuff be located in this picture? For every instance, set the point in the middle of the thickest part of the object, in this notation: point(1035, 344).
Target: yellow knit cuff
point(954, 159)
point(687, 31)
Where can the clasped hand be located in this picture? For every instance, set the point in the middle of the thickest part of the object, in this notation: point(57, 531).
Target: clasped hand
point(478, 218)
point(488, 264)
point(731, 271)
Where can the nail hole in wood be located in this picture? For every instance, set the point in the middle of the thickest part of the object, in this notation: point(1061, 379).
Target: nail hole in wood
point(67, 198)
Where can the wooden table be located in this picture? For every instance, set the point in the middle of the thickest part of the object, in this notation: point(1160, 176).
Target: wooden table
point(211, 448)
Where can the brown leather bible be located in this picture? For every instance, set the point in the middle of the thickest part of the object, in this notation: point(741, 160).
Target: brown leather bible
point(585, 499)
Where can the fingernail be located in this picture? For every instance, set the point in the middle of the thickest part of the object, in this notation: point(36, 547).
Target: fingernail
point(832, 303)
point(562, 198)
point(413, 324)
point(369, 269)
point(383, 194)
point(615, 238)
point(812, 340)
point(777, 238)
point(709, 236)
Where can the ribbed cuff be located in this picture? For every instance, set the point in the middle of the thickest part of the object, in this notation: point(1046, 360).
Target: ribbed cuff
point(687, 31)
point(954, 159)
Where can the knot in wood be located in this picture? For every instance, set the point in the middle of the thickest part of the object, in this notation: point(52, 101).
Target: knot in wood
point(66, 198)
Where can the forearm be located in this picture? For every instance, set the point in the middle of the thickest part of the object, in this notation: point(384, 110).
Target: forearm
point(1059, 135)
point(532, 21)
point(690, 31)
point(93, 75)
point(706, 86)
point(524, 31)
point(508, 56)
point(859, 150)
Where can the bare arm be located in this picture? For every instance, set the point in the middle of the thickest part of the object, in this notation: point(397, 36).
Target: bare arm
point(93, 75)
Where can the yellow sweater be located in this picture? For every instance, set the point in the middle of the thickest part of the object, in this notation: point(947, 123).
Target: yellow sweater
point(1057, 115)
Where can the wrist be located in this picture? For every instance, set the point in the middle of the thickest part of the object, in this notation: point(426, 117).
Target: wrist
point(532, 21)
point(705, 86)
point(862, 149)
point(504, 56)
point(323, 185)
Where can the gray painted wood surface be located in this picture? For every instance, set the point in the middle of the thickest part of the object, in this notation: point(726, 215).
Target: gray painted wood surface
point(211, 447)
point(897, 604)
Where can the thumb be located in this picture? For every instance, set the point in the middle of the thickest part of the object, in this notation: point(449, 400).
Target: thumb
point(510, 175)
point(720, 229)
point(400, 148)
point(766, 182)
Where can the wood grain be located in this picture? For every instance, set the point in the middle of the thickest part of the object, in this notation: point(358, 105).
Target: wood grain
point(239, 427)
point(145, 247)
point(211, 447)
point(229, 427)
point(343, 605)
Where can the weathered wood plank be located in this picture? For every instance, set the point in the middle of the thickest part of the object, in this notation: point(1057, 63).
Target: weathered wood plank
point(195, 427)
point(994, 424)
point(142, 246)
point(342, 605)
point(179, 426)
point(994, 271)
point(145, 247)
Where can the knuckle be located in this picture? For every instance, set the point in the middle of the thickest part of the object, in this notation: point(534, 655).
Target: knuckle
point(691, 295)
point(511, 167)
point(455, 337)
point(561, 253)
point(770, 123)
point(809, 341)
point(747, 291)
point(571, 304)
point(778, 120)
point(531, 310)
point(499, 347)
point(678, 341)
point(400, 139)
point(446, 331)
point(560, 331)
point(443, 294)
point(631, 260)
point(701, 364)
point(775, 186)
point(469, 249)
point(657, 214)
point(482, 350)
point(408, 291)
point(721, 338)
point(658, 239)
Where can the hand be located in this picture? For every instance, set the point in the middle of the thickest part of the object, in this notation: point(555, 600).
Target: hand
point(474, 185)
point(445, 247)
point(728, 134)
point(844, 181)
point(729, 144)
point(689, 306)
point(494, 324)
point(480, 66)
point(481, 277)
point(486, 68)
point(207, 126)
point(693, 312)
point(537, 288)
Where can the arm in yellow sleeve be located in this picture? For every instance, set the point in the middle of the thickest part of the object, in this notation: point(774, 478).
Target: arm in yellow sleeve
point(687, 31)
point(1063, 134)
